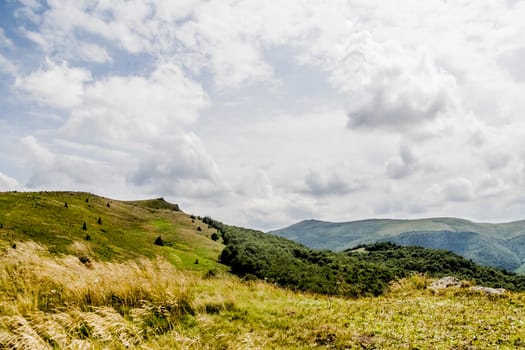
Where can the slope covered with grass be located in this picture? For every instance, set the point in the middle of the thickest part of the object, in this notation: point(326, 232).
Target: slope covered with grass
point(106, 229)
point(49, 301)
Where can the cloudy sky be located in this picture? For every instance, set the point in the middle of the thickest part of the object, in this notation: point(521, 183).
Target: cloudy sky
point(263, 113)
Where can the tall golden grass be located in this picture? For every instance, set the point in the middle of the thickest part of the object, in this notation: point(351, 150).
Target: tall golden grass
point(48, 301)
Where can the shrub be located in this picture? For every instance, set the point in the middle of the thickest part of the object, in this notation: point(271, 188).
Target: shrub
point(159, 241)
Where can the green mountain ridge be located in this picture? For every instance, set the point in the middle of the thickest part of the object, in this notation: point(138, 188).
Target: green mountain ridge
point(500, 245)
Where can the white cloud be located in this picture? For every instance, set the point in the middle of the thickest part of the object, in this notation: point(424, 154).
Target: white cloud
point(56, 85)
point(93, 53)
point(6, 66)
point(490, 185)
point(512, 62)
point(8, 183)
point(137, 108)
point(177, 165)
point(402, 88)
point(69, 171)
point(319, 184)
point(4, 40)
point(268, 114)
point(458, 190)
point(403, 165)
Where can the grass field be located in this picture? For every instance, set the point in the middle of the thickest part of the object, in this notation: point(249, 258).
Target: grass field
point(117, 230)
point(134, 294)
point(50, 301)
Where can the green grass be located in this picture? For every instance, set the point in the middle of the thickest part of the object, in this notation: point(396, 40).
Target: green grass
point(127, 229)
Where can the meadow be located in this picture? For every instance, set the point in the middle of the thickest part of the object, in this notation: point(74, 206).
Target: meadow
point(131, 293)
point(57, 302)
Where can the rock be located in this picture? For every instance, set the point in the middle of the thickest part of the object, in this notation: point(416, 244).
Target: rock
point(85, 260)
point(488, 290)
point(445, 282)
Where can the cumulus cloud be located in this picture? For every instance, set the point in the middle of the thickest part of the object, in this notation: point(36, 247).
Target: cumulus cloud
point(321, 184)
point(145, 117)
point(57, 86)
point(50, 168)
point(403, 165)
point(512, 62)
point(406, 89)
point(162, 125)
point(4, 40)
point(490, 185)
point(496, 160)
point(137, 108)
point(6, 66)
point(7, 183)
point(93, 53)
point(178, 165)
point(458, 190)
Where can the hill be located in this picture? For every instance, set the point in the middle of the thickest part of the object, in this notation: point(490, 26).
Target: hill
point(83, 224)
point(133, 293)
point(498, 245)
point(366, 271)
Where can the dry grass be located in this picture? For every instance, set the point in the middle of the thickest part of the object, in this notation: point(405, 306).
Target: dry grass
point(58, 301)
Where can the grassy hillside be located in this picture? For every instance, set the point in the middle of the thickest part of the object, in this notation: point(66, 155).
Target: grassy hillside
point(499, 245)
point(114, 230)
point(49, 301)
point(132, 293)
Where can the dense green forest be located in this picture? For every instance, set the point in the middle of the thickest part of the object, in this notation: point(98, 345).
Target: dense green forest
point(367, 270)
point(500, 245)
point(402, 260)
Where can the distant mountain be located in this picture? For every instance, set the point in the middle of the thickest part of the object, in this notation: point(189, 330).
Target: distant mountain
point(500, 245)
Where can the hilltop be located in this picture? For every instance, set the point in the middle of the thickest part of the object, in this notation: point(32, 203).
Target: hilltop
point(500, 245)
point(84, 224)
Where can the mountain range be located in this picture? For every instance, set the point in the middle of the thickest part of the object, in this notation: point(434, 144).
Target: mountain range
point(500, 245)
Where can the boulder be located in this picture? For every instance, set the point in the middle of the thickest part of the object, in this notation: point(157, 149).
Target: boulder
point(488, 290)
point(445, 282)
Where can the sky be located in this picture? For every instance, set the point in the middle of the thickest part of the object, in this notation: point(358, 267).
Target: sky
point(263, 113)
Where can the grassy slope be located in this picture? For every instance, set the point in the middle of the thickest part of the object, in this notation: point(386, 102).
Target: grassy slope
point(500, 245)
point(128, 229)
point(152, 305)
point(50, 300)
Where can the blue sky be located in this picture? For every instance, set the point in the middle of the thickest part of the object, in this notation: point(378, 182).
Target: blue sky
point(264, 115)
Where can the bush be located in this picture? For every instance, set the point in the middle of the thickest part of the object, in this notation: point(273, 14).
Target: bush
point(159, 241)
